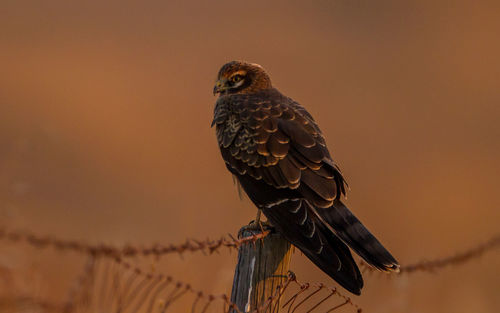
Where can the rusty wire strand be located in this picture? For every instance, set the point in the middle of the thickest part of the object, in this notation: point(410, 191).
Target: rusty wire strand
point(211, 246)
point(439, 263)
point(157, 282)
point(180, 289)
point(191, 245)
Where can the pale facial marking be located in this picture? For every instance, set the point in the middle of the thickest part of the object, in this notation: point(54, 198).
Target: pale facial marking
point(238, 78)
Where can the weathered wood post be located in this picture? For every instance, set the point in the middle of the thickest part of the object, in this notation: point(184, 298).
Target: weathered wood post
point(261, 268)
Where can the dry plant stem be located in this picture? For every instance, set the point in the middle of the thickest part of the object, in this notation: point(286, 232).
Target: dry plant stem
point(81, 284)
point(154, 296)
point(119, 267)
point(304, 288)
point(321, 302)
point(306, 298)
point(341, 305)
point(108, 285)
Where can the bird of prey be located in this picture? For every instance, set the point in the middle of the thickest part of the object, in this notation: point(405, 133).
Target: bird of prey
point(277, 152)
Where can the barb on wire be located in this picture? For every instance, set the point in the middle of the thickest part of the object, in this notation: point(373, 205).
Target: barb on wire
point(214, 245)
point(439, 263)
point(111, 283)
point(456, 259)
point(158, 250)
point(157, 292)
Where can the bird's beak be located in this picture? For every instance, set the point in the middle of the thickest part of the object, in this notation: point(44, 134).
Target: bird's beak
point(220, 86)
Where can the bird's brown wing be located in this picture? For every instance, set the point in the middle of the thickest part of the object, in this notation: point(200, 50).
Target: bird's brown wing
point(277, 152)
point(271, 137)
point(279, 156)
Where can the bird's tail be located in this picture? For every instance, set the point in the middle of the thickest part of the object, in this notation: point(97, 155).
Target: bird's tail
point(296, 221)
point(350, 230)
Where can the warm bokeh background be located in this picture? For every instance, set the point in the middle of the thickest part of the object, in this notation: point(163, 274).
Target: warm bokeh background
point(105, 111)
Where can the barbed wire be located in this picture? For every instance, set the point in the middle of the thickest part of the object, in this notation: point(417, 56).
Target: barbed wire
point(439, 263)
point(459, 258)
point(118, 255)
point(210, 246)
point(317, 288)
point(156, 283)
point(143, 289)
point(181, 288)
point(158, 250)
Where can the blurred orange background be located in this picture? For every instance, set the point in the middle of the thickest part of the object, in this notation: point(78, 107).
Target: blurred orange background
point(105, 112)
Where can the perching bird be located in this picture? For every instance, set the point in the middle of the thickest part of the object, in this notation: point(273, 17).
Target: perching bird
point(275, 149)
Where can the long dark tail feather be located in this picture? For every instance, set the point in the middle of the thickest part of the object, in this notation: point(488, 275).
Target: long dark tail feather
point(348, 228)
point(296, 221)
point(349, 270)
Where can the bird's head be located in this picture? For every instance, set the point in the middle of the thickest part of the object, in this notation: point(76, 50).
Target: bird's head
point(241, 77)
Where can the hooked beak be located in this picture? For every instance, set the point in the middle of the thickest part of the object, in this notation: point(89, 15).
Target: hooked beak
point(220, 86)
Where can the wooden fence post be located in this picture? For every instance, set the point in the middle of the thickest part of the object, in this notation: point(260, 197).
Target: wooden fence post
point(261, 268)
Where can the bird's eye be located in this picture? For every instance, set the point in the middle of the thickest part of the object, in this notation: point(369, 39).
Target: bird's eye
point(236, 78)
